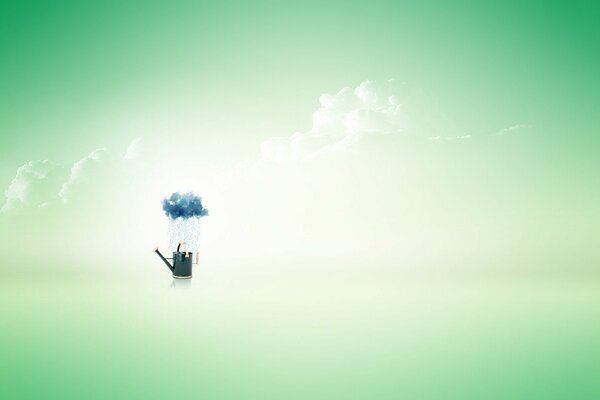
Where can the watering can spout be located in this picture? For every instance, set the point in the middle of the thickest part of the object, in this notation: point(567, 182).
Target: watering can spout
point(164, 260)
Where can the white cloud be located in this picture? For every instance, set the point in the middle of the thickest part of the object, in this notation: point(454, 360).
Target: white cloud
point(79, 170)
point(353, 115)
point(342, 120)
point(295, 147)
point(31, 185)
point(439, 139)
point(134, 150)
point(41, 183)
point(514, 130)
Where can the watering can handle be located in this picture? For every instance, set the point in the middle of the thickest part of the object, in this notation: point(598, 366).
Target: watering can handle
point(179, 245)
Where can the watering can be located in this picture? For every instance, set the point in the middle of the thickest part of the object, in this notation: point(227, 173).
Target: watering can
point(182, 263)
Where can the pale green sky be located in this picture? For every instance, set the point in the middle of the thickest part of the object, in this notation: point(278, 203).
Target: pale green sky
point(436, 239)
point(206, 84)
point(74, 75)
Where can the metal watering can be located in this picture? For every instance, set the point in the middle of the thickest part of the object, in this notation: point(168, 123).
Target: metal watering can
point(182, 263)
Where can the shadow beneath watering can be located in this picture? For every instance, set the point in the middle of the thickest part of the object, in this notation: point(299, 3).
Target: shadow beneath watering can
point(181, 284)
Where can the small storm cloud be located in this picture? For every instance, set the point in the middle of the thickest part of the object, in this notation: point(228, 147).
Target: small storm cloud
point(34, 185)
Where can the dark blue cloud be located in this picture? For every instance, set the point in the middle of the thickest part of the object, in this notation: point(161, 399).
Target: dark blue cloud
point(185, 205)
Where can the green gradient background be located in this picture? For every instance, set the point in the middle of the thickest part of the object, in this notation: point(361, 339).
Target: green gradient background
point(474, 274)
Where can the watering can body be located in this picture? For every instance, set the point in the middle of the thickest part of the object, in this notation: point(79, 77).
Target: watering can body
point(182, 264)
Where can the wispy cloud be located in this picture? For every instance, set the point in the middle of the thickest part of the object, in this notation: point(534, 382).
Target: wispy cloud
point(32, 185)
point(517, 129)
point(340, 124)
point(41, 183)
point(79, 170)
point(134, 149)
point(441, 139)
